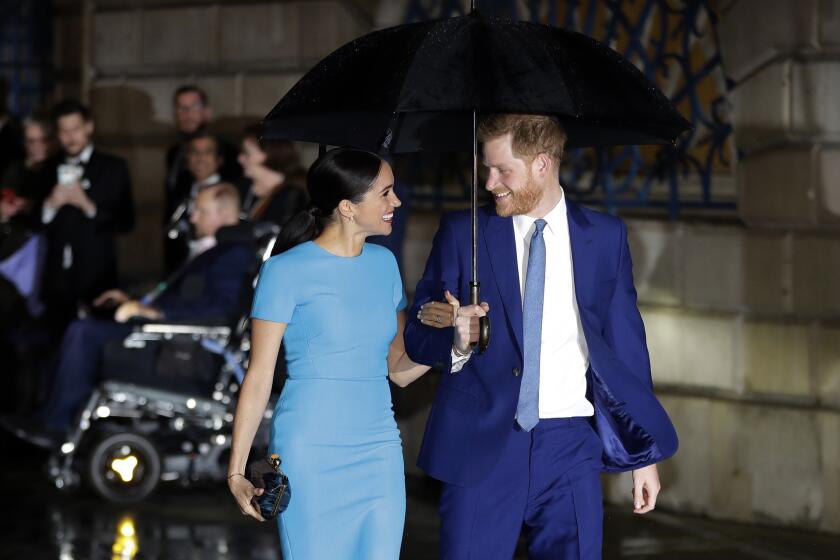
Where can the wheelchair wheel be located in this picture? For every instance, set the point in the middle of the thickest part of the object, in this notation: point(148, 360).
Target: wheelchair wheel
point(124, 467)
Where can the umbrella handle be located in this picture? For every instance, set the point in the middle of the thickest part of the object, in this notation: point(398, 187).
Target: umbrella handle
point(483, 322)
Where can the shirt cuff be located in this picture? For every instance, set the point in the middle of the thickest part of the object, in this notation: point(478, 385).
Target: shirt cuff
point(458, 362)
point(47, 214)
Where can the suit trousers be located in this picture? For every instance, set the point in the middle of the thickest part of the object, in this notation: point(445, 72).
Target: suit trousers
point(77, 373)
point(546, 483)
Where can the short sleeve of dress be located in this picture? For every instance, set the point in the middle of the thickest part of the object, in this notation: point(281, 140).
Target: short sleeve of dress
point(275, 298)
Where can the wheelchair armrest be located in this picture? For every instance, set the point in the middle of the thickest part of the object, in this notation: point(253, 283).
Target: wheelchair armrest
point(172, 329)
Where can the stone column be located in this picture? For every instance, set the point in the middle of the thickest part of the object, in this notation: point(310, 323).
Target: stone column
point(742, 318)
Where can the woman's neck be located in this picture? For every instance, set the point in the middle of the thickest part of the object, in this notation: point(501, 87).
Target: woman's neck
point(339, 240)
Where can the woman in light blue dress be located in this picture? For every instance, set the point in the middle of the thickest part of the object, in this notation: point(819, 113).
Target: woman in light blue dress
point(336, 301)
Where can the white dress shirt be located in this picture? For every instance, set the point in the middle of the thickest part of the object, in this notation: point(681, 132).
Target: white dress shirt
point(564, 357)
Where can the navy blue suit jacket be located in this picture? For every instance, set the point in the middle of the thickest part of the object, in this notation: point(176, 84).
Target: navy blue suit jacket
point(474, 409)
point(212, 286)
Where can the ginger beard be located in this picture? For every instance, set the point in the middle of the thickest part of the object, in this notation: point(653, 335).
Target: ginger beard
point(521, 201)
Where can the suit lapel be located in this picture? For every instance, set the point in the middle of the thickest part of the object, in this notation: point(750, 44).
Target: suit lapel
point(93, 171)
point(580, 239)
point(501, 247)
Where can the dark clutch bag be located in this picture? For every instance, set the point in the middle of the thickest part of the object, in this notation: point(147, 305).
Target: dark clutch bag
point(266, 474)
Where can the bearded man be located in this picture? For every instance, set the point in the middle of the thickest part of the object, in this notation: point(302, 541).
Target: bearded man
point(519, 434)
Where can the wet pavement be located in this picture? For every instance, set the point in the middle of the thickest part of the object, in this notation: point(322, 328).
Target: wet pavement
point(39, 522)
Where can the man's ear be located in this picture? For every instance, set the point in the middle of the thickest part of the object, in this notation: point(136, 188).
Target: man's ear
point(89, 127)
point(541, 165)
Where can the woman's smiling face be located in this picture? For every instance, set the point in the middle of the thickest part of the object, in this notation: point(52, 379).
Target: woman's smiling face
point(375, 212)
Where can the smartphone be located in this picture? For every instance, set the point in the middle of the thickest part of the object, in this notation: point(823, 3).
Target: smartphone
point(69, 174)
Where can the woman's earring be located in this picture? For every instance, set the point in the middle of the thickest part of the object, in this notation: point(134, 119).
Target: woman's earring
point(351, 219)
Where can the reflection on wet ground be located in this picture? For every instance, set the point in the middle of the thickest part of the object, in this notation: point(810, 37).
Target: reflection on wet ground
point(203, 523)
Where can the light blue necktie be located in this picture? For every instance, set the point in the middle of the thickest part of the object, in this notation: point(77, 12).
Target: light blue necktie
point(528, 408)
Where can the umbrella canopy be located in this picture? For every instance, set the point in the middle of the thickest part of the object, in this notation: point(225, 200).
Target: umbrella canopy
point(418, 87)
point(414, 88)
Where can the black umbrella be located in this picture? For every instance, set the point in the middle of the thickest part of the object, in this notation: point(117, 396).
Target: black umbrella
point(418, 87)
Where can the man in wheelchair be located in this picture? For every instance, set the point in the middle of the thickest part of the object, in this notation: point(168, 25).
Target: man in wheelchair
point(148, 395)
point(207, 289)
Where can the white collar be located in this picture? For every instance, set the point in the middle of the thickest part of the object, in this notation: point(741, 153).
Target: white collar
point(555, 218)
point(211, 180)
point(202, 244)
point(84, 155)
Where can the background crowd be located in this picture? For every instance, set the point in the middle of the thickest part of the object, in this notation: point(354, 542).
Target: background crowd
point(64, 203)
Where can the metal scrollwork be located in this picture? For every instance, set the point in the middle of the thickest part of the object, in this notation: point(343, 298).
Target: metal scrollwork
point(25, 50)
point(675, 44)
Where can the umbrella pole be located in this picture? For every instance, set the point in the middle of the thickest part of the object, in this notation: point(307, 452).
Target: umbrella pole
point(475, 286)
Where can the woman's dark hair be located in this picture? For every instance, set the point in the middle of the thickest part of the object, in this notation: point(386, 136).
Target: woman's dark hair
point(280, 155)
point(340, 174)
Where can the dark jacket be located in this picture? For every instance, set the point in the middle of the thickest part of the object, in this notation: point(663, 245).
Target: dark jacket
point(11, 144)
point(91, 240)
point(281, 205)
point(212, 286)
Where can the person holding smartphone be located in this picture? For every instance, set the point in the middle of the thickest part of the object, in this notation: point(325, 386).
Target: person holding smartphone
point(89, 204)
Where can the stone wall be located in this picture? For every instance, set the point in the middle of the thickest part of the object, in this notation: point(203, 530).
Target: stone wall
point(126, 57)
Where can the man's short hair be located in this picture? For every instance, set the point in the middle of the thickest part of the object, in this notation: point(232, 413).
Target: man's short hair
point(70, 107)
point(190, 88)
point(203, 134)
point(225, 194)
point(530, 134)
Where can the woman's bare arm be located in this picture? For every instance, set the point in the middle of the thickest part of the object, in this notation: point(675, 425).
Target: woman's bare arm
point(253, 398)
point(401, 369)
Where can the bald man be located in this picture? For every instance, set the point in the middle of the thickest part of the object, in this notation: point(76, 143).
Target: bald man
point(207, 288)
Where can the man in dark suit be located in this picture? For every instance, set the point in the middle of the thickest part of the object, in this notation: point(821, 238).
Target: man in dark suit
point(89, 204)
point(520, 434)
point(193, 114)
point(204, 160)
point(208, 287)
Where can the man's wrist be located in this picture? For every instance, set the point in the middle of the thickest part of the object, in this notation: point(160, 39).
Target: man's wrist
point(459, 353)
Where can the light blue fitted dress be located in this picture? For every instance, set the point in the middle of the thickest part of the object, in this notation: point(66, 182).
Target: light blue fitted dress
point(334, 424)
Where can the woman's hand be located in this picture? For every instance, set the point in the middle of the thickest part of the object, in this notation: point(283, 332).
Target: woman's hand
point(244, 493)
point(438, 314)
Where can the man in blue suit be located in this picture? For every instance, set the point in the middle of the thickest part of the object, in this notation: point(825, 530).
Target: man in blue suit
point(207, 288)
point(520, 433)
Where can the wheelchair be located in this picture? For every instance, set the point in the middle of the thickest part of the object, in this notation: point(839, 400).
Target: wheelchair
point(163, 410)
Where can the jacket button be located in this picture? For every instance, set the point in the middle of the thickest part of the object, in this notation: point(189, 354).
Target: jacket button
point(515, 372)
